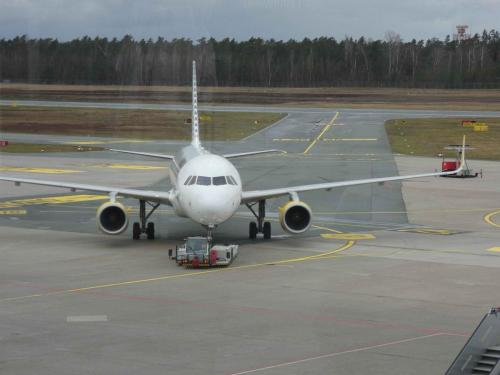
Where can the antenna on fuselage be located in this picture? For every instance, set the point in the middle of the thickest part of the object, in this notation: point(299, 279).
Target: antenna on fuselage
point(195, 140)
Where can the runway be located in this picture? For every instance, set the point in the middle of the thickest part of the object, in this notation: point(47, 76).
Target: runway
point(390, 279)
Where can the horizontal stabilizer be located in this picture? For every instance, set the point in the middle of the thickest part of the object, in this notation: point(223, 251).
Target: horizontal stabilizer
point(147, 154)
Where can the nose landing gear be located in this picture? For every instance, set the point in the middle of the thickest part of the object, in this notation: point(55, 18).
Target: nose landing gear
point(210, 232)
point(144, 226)
point(260, 226)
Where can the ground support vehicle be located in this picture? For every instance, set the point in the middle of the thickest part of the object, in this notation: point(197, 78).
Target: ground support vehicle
point(200, 252)
point(448, 165)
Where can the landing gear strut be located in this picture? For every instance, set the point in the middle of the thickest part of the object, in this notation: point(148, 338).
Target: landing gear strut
point(260, 226)
point(144, 226)
point(210, 232)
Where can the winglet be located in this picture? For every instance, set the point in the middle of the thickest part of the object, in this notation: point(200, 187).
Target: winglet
point(462, 161)
point(194, 118)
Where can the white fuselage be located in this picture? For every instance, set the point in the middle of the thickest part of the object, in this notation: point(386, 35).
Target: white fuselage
point(207, 186)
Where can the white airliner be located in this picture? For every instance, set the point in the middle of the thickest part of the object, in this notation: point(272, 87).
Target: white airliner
point(207, 189)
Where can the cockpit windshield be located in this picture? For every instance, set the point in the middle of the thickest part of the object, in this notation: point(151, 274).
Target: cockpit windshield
point(219, 180)
point(203, 180)
point(207, 181)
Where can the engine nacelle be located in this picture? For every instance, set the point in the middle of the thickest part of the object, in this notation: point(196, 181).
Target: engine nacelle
point(112, 218)
point(295, 217)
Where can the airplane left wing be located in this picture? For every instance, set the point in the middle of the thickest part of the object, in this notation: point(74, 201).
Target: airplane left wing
point(256, 195)
point(152, 196)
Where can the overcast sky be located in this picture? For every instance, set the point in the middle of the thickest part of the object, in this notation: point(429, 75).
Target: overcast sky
point(242, 19)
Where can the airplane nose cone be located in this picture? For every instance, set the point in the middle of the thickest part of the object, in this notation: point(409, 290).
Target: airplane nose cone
point(214, 208)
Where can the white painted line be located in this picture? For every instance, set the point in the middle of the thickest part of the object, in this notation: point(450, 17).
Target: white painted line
point(86, 318)
point(487, 333)
point(337, 354)
point(267, 127)
point(469, 358)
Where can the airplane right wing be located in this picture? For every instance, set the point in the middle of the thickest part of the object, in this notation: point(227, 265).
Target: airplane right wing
point(256, 195)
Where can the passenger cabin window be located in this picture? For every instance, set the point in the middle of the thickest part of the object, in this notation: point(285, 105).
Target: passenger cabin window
point(219, 180)
point(202, 180)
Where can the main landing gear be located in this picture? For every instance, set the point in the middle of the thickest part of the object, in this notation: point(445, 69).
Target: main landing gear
point(260, 226)
point(144, 226)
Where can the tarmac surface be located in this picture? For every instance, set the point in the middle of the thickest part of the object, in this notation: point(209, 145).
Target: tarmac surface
point(391, 278)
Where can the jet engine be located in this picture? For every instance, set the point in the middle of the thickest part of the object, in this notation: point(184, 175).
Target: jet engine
point(295, 217)
point(112, 218)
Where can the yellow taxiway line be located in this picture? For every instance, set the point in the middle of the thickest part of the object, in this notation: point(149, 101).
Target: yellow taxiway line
point(488, 218)
point(51, 200)
point(350, 242)
point(13, 212)
point(325, 129)
point(346, 246)
point(37, 170)
point(326, 255)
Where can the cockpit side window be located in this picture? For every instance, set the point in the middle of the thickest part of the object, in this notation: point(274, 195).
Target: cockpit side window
point(192, 181)
point(219, 180)
point(231, 180)
point(188, 179)
point(203, 180)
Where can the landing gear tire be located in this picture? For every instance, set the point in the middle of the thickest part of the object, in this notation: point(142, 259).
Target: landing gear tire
point(260, 226)
point(144, 226)
point(136, 231)
point(252, 230)
point(150, 231)
point(267, 230)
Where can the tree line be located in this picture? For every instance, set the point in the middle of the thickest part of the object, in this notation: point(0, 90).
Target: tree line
point(325, 61)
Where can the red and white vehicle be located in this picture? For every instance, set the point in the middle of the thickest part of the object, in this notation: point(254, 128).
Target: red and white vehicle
point(200, 252)
point(458, 164)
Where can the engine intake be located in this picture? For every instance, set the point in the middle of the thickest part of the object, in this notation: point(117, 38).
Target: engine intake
point(112, 218)
point(295, 217)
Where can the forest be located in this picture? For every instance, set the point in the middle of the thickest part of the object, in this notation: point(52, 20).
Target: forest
point(319, 62)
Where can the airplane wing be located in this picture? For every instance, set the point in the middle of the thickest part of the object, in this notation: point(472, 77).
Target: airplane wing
point(256, 195)
point(251, 153)
point(152, 196)
point(151, 155)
